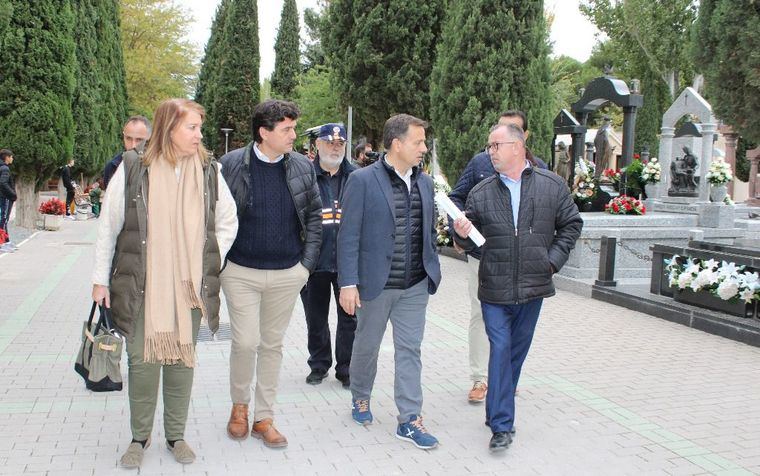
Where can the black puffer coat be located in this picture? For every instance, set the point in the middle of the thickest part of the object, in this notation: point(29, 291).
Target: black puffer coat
point(518, 263)
point(302, 183)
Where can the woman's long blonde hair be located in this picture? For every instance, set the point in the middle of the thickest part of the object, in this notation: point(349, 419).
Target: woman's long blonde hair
point(167, 118)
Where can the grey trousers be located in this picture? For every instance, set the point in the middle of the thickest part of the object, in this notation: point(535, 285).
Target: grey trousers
point(406, 311)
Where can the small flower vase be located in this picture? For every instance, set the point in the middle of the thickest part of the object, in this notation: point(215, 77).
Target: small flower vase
point(718, 192)
point(651, 190)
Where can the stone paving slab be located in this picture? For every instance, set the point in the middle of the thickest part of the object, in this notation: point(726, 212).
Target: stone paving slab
point(605, 390)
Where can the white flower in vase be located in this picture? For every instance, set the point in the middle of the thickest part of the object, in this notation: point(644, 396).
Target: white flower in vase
point(728, 289)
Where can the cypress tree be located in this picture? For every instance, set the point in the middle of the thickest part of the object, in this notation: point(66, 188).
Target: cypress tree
point(493, 56)
point(726, 45)
point(381, 56)
point(37, 78)
point(237, 88)
point(208, 78)
point(113, 86)
point(286, 49)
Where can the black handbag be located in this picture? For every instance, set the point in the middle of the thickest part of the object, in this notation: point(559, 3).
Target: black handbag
point(99, 358)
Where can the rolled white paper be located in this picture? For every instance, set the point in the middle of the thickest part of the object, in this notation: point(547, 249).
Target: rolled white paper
point(445, 204)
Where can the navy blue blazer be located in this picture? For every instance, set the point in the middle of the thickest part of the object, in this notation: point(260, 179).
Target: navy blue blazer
point(367, 231)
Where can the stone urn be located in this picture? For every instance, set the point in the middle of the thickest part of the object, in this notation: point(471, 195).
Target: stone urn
point(718, 192)
point(651, 190)
point(52, 222)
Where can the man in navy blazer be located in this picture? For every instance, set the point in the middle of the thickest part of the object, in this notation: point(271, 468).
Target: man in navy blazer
point(387, 268)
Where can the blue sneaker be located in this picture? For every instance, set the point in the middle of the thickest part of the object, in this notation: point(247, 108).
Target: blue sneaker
point(360, 412)
point(415, 431)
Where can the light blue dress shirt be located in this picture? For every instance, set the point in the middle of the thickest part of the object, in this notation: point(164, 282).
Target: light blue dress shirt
point(514, 187)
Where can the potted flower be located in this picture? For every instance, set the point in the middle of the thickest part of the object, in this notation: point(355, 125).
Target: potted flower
point(52, 213)
point(650, 177)
point(584, 185)
point(625, 205)
point(720, 286)
point(633, 182)
point(718, 175)
point(3, 236)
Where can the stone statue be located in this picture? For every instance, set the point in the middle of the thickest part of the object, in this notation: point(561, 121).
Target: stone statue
point(683, 181)
point(563, 164)
point(603, 148)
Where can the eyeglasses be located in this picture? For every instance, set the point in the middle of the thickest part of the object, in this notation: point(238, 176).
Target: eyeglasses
point(494, 146)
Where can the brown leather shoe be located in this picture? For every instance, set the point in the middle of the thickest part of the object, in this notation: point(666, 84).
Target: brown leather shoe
point(237, 427)
point(265, 431)
point(478, 392)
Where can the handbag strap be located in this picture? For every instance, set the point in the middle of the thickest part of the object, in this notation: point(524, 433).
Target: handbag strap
point(104, 321)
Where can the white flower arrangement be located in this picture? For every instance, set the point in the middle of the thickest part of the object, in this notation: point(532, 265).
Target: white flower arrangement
point(725, 280)
point(440, 185)
point(719, 172)
point(651, 171)
point(584, 184)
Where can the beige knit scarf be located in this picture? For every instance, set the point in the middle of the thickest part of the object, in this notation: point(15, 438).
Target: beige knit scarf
point(176, 220)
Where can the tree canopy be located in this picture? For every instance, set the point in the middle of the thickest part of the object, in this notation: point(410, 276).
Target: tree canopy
point(493, 56)
point(287, 64)
point(381, 54)
point(159, 62)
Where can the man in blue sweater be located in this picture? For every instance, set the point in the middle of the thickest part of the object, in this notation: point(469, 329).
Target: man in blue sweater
point(479, 168)
point(277, 246)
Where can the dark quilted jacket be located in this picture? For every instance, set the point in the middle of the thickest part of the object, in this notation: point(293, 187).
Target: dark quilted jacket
point(478, 168)
point(128, 266)
point(517, 264)
point(302, 183)
point(406, 264)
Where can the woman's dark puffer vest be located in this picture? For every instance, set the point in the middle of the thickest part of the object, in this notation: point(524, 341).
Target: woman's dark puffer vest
point(128, 268)
point(406, 265)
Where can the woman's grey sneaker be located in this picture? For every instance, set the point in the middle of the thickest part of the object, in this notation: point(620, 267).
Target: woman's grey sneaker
point(182, 452)
point(132, 458)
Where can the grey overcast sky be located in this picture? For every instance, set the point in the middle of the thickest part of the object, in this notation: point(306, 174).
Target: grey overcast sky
point(572, 35)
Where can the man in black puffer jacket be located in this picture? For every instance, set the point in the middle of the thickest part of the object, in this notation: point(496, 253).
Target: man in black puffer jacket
point(277, 246)
point(530, 224)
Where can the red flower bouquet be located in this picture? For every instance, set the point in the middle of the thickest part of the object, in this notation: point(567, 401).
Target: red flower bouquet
point(52, 207)
point(625, 205)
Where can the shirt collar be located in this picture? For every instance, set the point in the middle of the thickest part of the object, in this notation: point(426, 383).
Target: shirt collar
point(262, 157)
point(505, 177)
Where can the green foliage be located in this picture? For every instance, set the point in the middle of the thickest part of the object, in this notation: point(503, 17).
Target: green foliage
point(99, 104)
point(647, 42)
point(208, 78)
point(159, 62)
point(317, 99)
point(286, 49)
point(37, 79)
point(742, 164)
point(313, 54)
point(381, 53)
point(493, 56)
point(237, 86)
point(726, 45)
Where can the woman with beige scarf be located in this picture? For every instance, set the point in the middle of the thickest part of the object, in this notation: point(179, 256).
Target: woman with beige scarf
point(166, 225)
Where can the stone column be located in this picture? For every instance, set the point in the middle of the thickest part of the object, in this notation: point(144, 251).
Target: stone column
point(666, 156)
point(732, 139)
point(629, 130)
point(708, 130)
point(754, 187)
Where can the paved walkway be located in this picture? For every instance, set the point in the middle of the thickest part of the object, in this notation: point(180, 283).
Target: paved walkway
point(604, 391)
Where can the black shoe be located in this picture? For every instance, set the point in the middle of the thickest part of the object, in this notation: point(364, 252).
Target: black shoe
point(500, 441)
point(345, 380)
point(316, 377)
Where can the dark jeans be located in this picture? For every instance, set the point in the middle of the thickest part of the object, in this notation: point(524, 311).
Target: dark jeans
point(5, 213)
point(316, 302)
point(510, 331)
point(69, 200)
